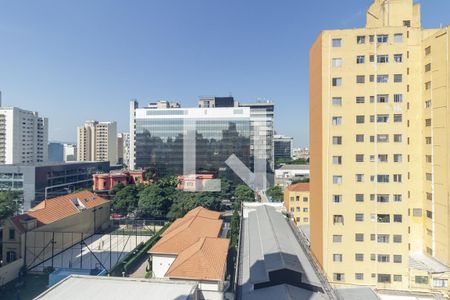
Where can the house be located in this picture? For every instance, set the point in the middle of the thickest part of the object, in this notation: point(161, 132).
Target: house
point(106, 182)
point(191, 249)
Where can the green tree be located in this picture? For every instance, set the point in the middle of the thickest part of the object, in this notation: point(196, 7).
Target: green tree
point(126, 199)
point(275, 193)
point(116, 189)
point(154, 202)
point(9, 204)
point(243, 193)
point(168, 182)
point(301, 180)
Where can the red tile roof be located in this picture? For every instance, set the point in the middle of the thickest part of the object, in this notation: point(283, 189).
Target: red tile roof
point(51, 210)
point(299, 187)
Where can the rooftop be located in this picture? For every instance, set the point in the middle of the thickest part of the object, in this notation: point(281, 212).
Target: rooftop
point(106, 288)
point(420, 261)
point(55, 209)
point(294, 167)
point(299, 187)
point(204, 260)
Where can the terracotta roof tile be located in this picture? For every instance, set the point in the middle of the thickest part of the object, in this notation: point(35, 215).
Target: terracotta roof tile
point(204, 260)
point(186, 232)
point(196, 212)
point(299, 187)
point(58, 208)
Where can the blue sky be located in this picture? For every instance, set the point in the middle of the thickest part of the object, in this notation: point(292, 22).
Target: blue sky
point(77, 60)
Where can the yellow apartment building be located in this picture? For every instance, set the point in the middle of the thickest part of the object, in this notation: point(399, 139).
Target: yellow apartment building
point(296, 201)
point(379, 147)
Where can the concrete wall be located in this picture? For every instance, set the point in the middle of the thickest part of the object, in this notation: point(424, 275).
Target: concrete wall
point(161, 263)
point(10, 271)
point(211, 290)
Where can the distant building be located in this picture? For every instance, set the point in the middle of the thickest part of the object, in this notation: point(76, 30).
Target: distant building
point(70, 152)
point(194, 182)
point(55, 152)
point(107, 181)
point(286, 174)
point(296, 201)
point(23, 136)
point(282, 147)
point(194, 240)
point(73, 213)
point(36, 182)
point(126, 149)
point(301, 153)
point(97, 141)
point(211, 102)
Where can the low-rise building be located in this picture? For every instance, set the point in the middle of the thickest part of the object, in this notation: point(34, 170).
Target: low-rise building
point(286, 174)
point(190, 249)
point(296, 201)
point(106, 182)
point(197, 182)
point(38, 182)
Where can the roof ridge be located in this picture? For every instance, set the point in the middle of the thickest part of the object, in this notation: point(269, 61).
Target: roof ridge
point(188, 257)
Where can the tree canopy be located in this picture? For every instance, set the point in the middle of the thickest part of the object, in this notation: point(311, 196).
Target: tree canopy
point(275, 193)
point(243, 193)
point(9, 204)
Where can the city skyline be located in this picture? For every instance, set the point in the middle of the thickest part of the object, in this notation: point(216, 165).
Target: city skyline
point(82, 56)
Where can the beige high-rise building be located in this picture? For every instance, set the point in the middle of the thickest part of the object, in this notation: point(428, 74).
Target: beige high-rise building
point(97, 141)
point(379, 146)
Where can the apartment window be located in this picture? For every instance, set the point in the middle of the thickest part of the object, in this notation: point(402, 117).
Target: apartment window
point(371, 58)
point(382, 158)
point(359, 276)
point(359, 197)
point(338, 276)
point(398, 98)
point(305, 220)
point(398, 138)
point(359, 237)
point(382, 138)
point(429, 196)
point(360, 39)
point(336, 101)
point(428, 140)
point(337, 62)
point(360, 79)
point(337, 257)
point(428, 104)
point(383, 218)
point(337, 120)
point(398, 37)
point(428, 85)
point(440, 283)
point(337, 81)
point(359, 119)
point(360, 100)
point(337, 238)
point(297, 198)
point(359, 217)
point(305, 199)
point(382, 59)
point(371, 38)
point(407, 23)
point(397, 178)
point(360, 138)
point(397, 238)
point(384, 278)
point(382, 98)
point(427, 122)
point(428, 67)
point(428, 158)
point(428, 50)
point(429, 214)
point(338, 219)
point(336, 43)
point(382, 118)
point(12, 234)
point(359, 177)
point(384, 78)
point(337, 140)
point(372, 78)
point(359, 257)
point(382, 38)
point(382, 178)
point(382, 198)
point(337, 179)
point(429, 176)
point(359, 157)
point(383, 238)
point(421, 279)
point(372, 139)
point(398, 218)
point(397, 158)
point(360, 59)
point(397, 118)
point(398, 77)
point(398, 58)
point(383, 258)
point(337, 198)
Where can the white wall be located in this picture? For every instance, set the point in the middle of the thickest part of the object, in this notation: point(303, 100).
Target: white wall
point(10, 271)
point(210, 290)
point(160, 264)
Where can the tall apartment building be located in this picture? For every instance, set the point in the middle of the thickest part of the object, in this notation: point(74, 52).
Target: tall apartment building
point(23, 136)
point(97, 141)
point(379, 141)
point(222, 129)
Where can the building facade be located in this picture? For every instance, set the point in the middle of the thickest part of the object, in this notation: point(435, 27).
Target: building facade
point(37, 182)
point(282, 147)
point(296, 201)
point(55, 152)
point(379, 142)
point(23, 136)
point(70, 152)
point(97, 141)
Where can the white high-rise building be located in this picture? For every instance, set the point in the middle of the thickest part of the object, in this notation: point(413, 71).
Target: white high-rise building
point(70, 152)
point(97, 141)
point(23, 136)
point(123, 148)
